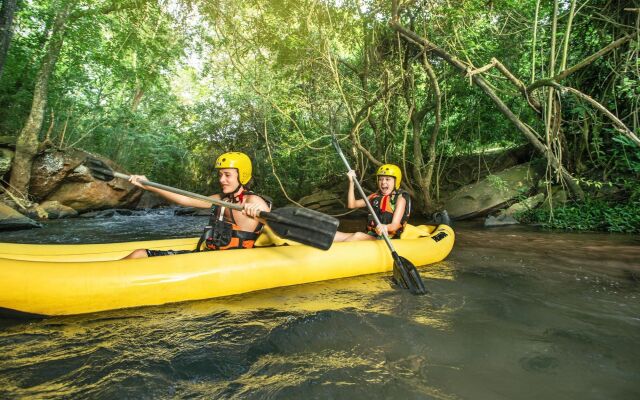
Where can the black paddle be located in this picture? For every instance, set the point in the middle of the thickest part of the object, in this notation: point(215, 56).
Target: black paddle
point(404, 272)
point(299, 224)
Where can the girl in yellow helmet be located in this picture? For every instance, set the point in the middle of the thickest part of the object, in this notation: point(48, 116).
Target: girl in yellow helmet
point(391, 204)
point(227, 228)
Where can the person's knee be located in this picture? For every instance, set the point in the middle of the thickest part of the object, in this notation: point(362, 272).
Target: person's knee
point(341, 236)
point(365, 236)
point(140, 253)
point(358, 236)
point(352, 237)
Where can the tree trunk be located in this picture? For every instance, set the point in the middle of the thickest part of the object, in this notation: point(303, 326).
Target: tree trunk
point(137, 98)
point(6, 29)
point(502, 107)
point(431, 163)
point(27, 143)
point(423, 172)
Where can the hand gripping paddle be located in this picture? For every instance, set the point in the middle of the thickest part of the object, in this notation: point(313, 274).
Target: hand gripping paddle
point(404, 272)
point(298, 224)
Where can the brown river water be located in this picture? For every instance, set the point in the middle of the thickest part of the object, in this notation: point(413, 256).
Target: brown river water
point(513, 313)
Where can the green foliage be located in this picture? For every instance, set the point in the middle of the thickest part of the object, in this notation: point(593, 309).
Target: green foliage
point(163, 87)
point(592, 215)
point(627, 153)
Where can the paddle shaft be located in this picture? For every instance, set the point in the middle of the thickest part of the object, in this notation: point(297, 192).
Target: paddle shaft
point(269, 216)
point(196, 196)
point(299, 224)
point(364, 196)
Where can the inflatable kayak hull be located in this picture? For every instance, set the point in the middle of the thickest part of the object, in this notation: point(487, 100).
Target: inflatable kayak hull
point(49, 280)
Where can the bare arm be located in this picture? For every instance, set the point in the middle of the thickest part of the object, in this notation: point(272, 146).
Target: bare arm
point(173, 197)
point(351, 196)
point(253, 205)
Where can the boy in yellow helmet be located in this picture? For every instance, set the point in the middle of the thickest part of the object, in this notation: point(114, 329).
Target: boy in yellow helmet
point(391, 204)
point(227, 228)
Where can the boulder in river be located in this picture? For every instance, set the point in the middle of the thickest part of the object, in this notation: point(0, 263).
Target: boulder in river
point(36, 212)
point(492, 193)
point(500, 220)
point(324, 201)
point(150, 200)
point(524, 205)
point(61, 176)
point(6, 156)
point(11, 219)
point(465, 169)
point(55, 210)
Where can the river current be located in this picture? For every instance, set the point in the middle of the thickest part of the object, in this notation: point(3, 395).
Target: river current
point(513, 313)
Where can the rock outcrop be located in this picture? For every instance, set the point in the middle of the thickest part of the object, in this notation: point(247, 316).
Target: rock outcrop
point(509, 216)
point(152, 200)
point(524, 205)
point(61, 176)
point(500, 220)
point(10, 219)
point(493, 192)
point(55, 210)
point(324, 201)
point(6, 157)
point(466, 169)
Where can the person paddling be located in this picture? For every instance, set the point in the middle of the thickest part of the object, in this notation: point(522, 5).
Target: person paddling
point(391, 204)
point(227, 229)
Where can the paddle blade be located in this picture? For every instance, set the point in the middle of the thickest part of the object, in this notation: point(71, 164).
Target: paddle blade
point(407, 276)
point(303, 225)
point(99, 169)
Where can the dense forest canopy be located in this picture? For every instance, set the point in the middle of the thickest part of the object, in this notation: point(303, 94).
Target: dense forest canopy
point(162, 87)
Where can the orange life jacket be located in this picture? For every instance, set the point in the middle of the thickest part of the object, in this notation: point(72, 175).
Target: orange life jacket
point(222, 232)
point(385, 206)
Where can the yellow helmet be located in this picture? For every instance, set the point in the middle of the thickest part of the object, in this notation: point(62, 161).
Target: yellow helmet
point(390, 170)
point(239, 161)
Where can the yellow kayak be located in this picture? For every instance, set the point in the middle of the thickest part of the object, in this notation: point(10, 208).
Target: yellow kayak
point(50, 280)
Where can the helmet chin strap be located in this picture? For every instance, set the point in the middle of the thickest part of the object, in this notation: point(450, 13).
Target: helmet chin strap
point(239, 188)
point(233, 194)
